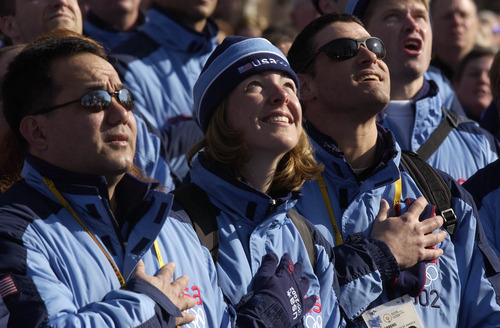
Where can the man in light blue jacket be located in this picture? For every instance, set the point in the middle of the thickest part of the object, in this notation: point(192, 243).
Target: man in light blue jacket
point(418, 107)
point(344, 85)
point(161, 64)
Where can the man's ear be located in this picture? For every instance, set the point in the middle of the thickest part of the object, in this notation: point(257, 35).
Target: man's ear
point(9, 27)
point(32, 130)
point(306, 87)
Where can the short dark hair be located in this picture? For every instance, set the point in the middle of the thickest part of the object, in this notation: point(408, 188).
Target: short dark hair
point(7, 7)
point(28, 84)
point(304, 45)
point(476, 52)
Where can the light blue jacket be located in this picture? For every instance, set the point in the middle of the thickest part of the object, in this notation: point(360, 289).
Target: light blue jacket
point(466, 149)
point(252, 224)
point(457, 292)
point(160, 66)
point(63, 278)
point(485, 188)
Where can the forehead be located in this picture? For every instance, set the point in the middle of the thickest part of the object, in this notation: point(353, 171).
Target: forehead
point(340, 30)
point(85, 69)
point(378, 5)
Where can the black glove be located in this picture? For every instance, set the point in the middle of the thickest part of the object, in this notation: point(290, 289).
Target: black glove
point(285, 285)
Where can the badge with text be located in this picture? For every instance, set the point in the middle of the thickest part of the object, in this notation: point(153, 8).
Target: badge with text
point(398, 313)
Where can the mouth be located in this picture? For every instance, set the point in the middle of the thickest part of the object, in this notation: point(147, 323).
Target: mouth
point(278, 118)
point(368, 77)
point(413, 45)
point(121, 139)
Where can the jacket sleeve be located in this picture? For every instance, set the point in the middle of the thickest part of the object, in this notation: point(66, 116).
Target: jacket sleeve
point(478, 266)
point(35, 295)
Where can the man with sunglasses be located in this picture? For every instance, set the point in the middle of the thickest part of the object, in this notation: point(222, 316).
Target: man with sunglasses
point(418, 111)
point(84, 237)
point(344, 84)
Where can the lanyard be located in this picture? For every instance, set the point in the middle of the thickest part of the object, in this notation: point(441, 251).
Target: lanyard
point(50, 184)
point(326, 198)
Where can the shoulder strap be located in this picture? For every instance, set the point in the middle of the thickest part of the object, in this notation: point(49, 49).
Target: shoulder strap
point(432, 185)
point(437, 137)
point(305, 233)
point(203, 215)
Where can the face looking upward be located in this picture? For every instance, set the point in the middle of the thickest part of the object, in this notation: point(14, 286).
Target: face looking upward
point(265, 108)
point(34, 18)
point(350, 87)
point(404, 27)
point(77, 139)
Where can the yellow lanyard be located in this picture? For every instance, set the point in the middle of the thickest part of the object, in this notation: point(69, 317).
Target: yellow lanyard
point(326, 198)
point(50, 184)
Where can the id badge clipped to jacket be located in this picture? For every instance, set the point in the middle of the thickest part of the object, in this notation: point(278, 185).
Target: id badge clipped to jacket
point(398, 313)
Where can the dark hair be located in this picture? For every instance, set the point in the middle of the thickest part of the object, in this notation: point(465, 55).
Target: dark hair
point(28, 84)
point(476, 52)
point(304, 45)
point(7, 8)
point(277, 34)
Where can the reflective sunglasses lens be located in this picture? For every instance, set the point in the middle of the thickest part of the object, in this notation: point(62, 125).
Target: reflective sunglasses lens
point(376, 46)
point(342, 49)
point(96, 100)
point(126, 99)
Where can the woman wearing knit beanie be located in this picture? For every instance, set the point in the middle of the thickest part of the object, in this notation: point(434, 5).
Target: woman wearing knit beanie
point(252, 162)
point(246, 177)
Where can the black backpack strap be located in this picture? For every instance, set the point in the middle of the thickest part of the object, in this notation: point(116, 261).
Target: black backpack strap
point(306, 234)
point(203, 215)
point(432, 185)
point(437, 137)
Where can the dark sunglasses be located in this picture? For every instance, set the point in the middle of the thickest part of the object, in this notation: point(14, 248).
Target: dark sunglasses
point(345, 48)
point(97, 100)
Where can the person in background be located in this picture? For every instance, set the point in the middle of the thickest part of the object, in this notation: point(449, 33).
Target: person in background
point(23, 21)
point(417, 109)
point(302, 12)
point(86, 237)
point(344, 84)
point(161, 64)
point(329, 6)
point(472, 82)
point(111, 22)
point(455, 26)
point(490, 119)
point(6, 55)
point(281, 36)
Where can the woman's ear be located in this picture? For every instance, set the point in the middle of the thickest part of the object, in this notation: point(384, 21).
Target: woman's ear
point(31, 129)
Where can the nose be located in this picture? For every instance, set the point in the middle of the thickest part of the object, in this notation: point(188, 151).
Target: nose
point(365, 55)
point(410, 23)
point(279, 95)
point(116, 114)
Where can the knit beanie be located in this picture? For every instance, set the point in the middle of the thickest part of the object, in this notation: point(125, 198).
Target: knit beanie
point(234, 60)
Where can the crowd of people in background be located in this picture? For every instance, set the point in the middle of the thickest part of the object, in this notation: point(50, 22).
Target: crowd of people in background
point(249, 163)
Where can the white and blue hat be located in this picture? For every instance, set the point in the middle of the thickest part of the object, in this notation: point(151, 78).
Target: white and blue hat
point(234, 60)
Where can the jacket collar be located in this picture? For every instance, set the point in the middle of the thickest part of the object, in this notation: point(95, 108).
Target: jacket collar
point(238, 196)
point(164, 29)
point(386, 149)
point(130, 189)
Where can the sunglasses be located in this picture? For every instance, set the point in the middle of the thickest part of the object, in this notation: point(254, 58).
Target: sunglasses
point(345, 48)
point(97, 100)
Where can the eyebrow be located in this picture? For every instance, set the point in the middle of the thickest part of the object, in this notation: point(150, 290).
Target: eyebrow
point(101, 86)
